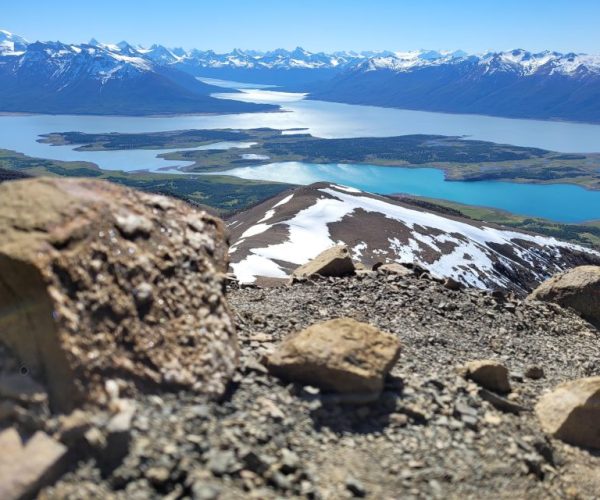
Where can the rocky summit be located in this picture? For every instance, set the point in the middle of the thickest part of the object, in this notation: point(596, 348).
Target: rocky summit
point(380, 384)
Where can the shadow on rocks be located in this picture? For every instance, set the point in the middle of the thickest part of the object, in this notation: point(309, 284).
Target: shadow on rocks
point(356, 413)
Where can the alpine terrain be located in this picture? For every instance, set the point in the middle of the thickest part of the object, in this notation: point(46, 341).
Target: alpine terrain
point(132, 366)
point(272, 239)
point(231, 274)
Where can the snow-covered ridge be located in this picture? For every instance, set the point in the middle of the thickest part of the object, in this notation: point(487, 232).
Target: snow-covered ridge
point(518, 61)
point(62, 61)
point(10, 43)
point(475, 254)
point(276, 59)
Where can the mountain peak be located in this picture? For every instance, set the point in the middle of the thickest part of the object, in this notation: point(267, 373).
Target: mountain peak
point(9, 42)
point(300, 51)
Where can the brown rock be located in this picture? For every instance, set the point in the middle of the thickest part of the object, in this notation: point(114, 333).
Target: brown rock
point(25, 468)
point(97, 280)
point(571, 412)
point(72, 427)
point(335, 261)
point(489, 374)
point(578, 288)
point(452, 284)
point(534, 372)
point(395, 268)
point(341, 355)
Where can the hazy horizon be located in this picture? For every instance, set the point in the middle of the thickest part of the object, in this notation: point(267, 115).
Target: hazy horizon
point(289, 48)
point(472, 26)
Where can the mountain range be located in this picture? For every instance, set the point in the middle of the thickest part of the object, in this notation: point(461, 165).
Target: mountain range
point(275, 237)
point(517, 84)
point(53, 77)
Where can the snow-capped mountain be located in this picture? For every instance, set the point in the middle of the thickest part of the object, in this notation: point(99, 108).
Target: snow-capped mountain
point(10, 43)
point(546, 85)
point(122, 78)
point(273, 238)
point(160, 55)
point(279, 67)
point(275, 59)
point(53, 77)
point(518, 61)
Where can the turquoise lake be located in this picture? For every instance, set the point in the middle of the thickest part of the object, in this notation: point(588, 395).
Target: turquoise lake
point(564, 203)
point(559, 202)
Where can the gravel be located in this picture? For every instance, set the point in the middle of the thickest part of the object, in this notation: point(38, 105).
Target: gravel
point(432, 434)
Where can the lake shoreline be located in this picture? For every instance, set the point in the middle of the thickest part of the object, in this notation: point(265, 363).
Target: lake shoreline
point(523, 199)
point(447, 170)
point(586, 233)
point(486, 161)
point(422, 110)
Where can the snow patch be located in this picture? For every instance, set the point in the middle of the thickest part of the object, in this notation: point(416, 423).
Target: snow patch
point(466, 252)
point(348, 189)
point(283, 201)
point(255, 265)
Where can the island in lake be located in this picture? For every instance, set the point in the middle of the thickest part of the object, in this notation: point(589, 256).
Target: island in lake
point(460, 158)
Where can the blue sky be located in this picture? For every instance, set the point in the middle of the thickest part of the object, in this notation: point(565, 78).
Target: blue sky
point(472, 25)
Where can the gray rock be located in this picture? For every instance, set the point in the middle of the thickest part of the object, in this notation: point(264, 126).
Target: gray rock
point(221, 462)
point(201, 491)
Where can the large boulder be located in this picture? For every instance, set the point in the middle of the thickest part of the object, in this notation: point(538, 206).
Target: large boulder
point(99, 281)
point(335, 261)
point(571, 412)
point(578, 288)
point(340, 355)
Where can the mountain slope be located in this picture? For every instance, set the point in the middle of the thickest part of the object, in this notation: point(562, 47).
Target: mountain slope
point(53, 77)
point(275, 237)
point(546, 85)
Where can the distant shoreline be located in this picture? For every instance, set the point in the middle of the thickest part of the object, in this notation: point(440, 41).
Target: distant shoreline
point(159, 115)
